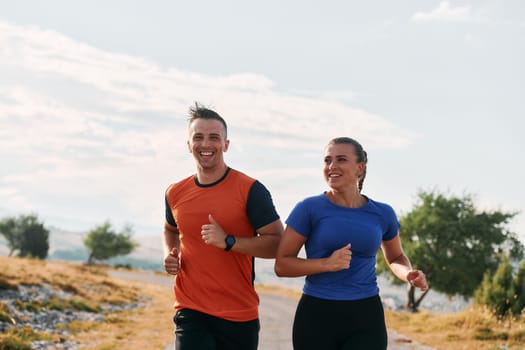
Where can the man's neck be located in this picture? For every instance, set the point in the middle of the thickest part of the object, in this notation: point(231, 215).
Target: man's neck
point(208, 176)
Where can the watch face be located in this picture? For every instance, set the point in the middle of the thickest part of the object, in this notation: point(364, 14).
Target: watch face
point(230, 241)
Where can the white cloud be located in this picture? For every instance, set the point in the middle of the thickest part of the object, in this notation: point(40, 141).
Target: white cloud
point(447, 13)
point(87, 133)
point(131, 84)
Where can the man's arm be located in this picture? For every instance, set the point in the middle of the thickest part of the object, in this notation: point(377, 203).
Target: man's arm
point(263, 216)
point(171, 247)
point(264, 245)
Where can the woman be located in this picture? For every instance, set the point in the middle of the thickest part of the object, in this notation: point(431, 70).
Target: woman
point(342, 231)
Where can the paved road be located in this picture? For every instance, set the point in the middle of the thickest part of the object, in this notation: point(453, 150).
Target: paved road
point(276, 315)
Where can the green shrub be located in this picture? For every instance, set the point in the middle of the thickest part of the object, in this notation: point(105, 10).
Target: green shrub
point(503, 294)
point(484, 333)
point(82, 306)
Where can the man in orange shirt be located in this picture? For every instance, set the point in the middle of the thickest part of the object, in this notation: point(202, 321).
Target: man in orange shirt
point(217, 221)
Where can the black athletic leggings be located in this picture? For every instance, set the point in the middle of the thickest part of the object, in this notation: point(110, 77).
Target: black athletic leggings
point(339, 325)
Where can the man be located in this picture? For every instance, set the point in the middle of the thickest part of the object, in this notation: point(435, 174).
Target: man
point(217, 221)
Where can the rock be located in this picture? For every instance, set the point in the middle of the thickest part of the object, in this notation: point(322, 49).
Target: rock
point(45, 320)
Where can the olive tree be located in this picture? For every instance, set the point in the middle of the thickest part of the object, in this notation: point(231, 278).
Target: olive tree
point(26, 236)
point(104, 243)
point(454, 243)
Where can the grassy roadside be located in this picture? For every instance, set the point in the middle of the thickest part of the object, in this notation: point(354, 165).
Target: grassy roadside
point(145, 327)
point(473, 328)
point(150, 326)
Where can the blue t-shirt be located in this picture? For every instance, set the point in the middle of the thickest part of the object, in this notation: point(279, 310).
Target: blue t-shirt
point(328, 227)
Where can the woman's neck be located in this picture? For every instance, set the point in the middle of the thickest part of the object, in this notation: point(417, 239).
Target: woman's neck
point(349, 199)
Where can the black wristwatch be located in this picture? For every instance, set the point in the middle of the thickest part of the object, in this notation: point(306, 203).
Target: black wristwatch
point(230, 241)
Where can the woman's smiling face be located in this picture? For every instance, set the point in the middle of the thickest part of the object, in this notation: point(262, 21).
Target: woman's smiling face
point(341, 168)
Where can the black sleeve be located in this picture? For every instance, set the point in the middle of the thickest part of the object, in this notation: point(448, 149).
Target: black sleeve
point(169, 215)
point(259, 206)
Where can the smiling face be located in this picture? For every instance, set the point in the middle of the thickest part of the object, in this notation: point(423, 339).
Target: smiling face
point(207, 142)
point(341, 168)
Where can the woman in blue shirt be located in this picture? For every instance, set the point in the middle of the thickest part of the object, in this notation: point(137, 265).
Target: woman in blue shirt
point(342, 231)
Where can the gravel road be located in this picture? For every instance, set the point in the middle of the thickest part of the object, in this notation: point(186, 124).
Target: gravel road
point(276, 315)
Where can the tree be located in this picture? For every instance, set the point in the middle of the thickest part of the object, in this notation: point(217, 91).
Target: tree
point(25, 235)
point(454, 243)
point(502, 293)
point(104, 243)
point(519, 290)
point(497, 291)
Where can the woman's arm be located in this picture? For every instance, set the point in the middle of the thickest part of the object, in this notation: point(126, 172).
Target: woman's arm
point(400, 264)
point(288, 264)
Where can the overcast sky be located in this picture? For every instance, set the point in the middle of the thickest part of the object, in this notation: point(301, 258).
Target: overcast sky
point(94, 98)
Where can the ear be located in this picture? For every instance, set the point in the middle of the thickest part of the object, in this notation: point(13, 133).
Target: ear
point(226, 145)
point(360, 169)
point(189, 147)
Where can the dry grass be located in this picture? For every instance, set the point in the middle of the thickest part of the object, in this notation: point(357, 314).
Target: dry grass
point(474, 328)
point(151, 327)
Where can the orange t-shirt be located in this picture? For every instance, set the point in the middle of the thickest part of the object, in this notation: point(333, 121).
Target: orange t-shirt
point(212, 280)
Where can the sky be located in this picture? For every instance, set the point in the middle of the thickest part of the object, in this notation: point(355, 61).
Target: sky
point(94, 99)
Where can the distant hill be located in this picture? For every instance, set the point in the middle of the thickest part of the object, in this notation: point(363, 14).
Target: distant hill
point(69, 246)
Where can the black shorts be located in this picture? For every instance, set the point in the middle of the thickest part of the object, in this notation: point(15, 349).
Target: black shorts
point(195, 330)
point(333, 324)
